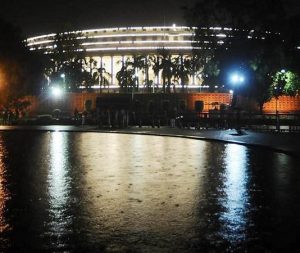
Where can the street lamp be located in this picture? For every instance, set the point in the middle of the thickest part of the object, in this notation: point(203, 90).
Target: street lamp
point(236, 79)
point(63, 76)
point(279, 85)
point(56, 91)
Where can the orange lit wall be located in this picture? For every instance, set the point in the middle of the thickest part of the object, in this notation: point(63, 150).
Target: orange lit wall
point(286, 104)
point(70, 101)
point(209, 100)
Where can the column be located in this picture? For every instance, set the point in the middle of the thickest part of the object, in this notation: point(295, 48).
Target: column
point(112, 69)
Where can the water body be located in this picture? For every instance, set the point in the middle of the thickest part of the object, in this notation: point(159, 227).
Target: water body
point(93, 192)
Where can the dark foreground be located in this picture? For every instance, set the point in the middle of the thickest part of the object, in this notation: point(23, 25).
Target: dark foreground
point(101, 192)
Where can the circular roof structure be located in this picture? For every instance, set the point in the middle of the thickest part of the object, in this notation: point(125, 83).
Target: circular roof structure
point(123, 40)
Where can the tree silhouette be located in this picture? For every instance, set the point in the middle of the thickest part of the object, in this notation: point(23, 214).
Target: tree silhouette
point(21, 71)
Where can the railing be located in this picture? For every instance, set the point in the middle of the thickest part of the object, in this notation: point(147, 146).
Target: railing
point(214, 119)
point(225, 120)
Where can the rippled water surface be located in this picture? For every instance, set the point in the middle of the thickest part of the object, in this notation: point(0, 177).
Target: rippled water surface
point(92, 192)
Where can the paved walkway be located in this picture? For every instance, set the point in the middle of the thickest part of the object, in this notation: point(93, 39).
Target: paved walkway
point(283, 142)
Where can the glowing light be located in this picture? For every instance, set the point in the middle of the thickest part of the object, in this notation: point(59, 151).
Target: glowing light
point(39, 42)
point(58, 182)
point(237, 78)
point(236, 196)
point(4, 193)
point(140, 48)
point(135, 42)
point(234, 78)
point(2, 77)
point(231, 91)
point(221, 35)
point(102, 30)
point(56, 91)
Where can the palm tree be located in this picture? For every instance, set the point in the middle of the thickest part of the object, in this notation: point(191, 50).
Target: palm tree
point(211, 73)
point(167, 68)
point(89, 77)
point(102, 77)
point(146, 64)
point(126, 78)
point(196, 66)
point(155, 62)
point(137, 63)
point(182, 70)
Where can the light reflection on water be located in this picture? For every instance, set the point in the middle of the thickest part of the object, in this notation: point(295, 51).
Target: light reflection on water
point(235, 198)
point(142, 185)
point(58, 186)
point(4, 194)
point(92, 191)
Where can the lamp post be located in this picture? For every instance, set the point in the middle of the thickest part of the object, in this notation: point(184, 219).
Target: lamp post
point(236, 79)
point(63, 76)
point(56, 91)
point(278, 91)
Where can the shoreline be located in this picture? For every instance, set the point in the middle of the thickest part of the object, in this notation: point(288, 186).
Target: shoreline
point(279, 142)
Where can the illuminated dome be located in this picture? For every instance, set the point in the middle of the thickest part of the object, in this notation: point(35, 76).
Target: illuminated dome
point(111, 46)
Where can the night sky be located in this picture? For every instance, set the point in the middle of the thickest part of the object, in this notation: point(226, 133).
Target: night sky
point(44, 16)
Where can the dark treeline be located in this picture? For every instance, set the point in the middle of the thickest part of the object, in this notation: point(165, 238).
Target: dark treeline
point(261, 43)
point(21, 71)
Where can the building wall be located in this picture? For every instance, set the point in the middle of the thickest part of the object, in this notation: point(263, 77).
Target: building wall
point(70, 101)
point(211, 100)
point(285, 104)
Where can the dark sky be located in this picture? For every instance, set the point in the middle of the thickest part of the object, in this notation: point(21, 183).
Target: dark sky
point(43, 16)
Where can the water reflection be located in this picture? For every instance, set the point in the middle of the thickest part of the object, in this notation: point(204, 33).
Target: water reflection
point(4, 194)
point(58, 185)
point(235, 197)
point(92, 192)
point(145, 189)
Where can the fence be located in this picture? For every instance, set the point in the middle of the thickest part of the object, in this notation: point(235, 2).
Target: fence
point(228, 120)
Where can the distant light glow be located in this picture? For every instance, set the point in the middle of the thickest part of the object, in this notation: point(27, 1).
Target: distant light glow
point(140, 48)
point(236, 197)
point(56, 91)
point(237, 78)
point(221, 35)
point(58, 183)
point(4, 192)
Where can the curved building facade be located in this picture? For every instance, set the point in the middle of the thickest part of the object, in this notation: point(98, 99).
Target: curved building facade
point(109, 47)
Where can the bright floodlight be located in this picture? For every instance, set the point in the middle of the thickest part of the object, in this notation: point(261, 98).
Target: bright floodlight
point(62, 75)
point(57, 92)
point(237, 78)
point(234, 78)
